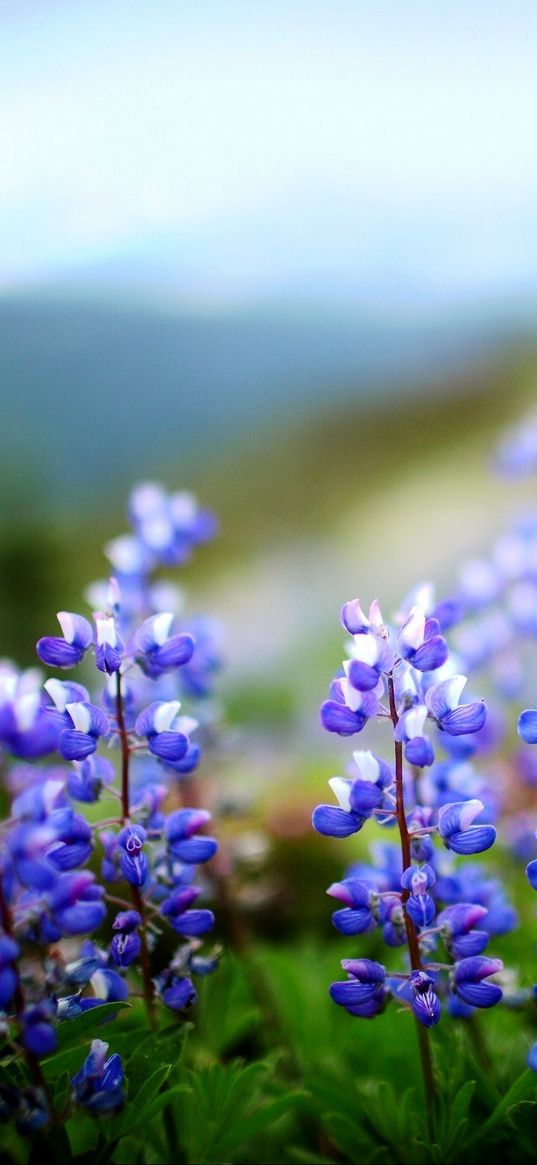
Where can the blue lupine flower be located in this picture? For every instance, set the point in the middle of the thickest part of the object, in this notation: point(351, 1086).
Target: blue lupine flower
point(25, 729)
point(183, 840)
point(353, 618)
point(443, 703)
point(532, 1058)
point(187, 922)
point(169, 525)
point(468, 981)
point(393, 920)
point(361, 911)
point(348, 710)
point(332, 821)
point(370, 657)
point(60, 693)
point(90, 723)
point(409, 731)
point(38, 1034)
point(66, 652)
point(421, 643)
point(76, 904)
point(177, 994)
point(133, 862)
point(156, 651)
point(98, 1086)
point(155, 723)
point(527, 726)
point(108, 648)
point(74, 842)
point(28, 846)
point(89, 777)
point(456, 828)
point(9, 953)
point(41, 798)
point(126, 945)
point(457, 924)
point(425, 1003)
point(363, 993)
point(109, 987)
point(419, 905)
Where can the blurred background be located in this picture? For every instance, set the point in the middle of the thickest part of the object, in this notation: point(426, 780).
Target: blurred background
point(282, 254)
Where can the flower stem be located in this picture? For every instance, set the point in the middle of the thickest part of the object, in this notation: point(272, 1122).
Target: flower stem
point(138, 902)
point(412, 938)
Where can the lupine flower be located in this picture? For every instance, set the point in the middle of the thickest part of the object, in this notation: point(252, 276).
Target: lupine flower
point(9, 953)
point(133, 862)
point(425, 1003)
point(370, 657)
point(90, 723)
point(155, 723)
point(189, 923)
point(527, 726)
point(469, 981)
point(126, 944)
point(75, 903)
point(183, 840)
point(361, 906)
point(89, 777)
point(98, 1086)
point(66, 652)
point(176, 993)
point(363, 993)
point(409, 731)
point(457, 924)
point(108, 648)
point(156, 651)
point(421, 643)
point(348, 710)
point(455, 824)
point(443, 703)
point(38, 1034)
point(419, 905)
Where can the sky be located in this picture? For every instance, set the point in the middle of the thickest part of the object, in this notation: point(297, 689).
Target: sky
point(221, 152)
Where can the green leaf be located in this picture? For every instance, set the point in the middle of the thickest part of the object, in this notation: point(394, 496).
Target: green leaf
point(520, 1090)
point(134, 1113)
point(242, 1130)
point(156, 1050)
point(523, 1118)
point(169, 1096)
point(306, 1157)
point(62, 1093)
point(70, 1031)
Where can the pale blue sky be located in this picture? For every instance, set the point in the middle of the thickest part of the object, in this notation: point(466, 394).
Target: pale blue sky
point(224, 151)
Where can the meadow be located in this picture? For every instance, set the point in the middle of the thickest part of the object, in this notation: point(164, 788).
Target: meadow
point(227, 1047)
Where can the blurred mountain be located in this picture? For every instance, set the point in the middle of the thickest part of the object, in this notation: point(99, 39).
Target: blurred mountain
point(96, 395)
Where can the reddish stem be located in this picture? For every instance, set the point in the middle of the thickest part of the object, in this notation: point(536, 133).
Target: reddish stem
point(138, 902)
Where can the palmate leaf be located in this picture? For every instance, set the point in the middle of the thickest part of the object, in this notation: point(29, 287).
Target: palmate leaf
point(134, 1115)
point(522, 1089)
point(523, 1120)
point(351, 1140)
point(230, 1105)
point(161, 1048)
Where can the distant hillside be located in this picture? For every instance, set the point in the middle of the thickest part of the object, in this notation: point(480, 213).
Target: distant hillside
point(94, 396)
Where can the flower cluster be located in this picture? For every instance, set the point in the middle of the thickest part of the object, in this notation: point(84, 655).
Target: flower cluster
point(414, 892)
point(59, 873)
